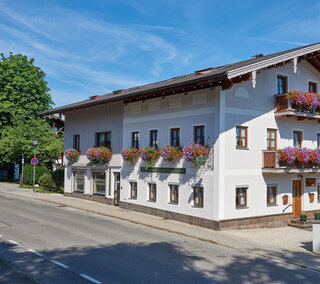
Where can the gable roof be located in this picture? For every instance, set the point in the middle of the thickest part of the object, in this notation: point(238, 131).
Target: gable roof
point(217, 75)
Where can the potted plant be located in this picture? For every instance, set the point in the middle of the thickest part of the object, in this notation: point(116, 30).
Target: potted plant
point(171, 153)
point(100, 155)
point(72, 155)
point(317, 215)
point(150, 155)
point(130, 155)
point(303, 217)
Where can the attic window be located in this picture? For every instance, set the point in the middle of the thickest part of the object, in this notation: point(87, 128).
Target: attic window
point(117, 92)
point(93, 97)
point(204, 71)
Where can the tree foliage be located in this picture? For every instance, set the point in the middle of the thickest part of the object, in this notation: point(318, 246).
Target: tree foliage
point(23, 94)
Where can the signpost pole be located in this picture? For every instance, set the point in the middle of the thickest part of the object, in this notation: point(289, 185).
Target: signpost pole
point(22, 166)
point(35, 143)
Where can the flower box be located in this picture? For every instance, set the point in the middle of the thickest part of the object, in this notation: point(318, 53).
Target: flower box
point(194, 150)
point(150, 155)
point(130, 155)
point(291, 157)
point(171, 153)
point(72, 155)
point(100, 155)
point(304, 101)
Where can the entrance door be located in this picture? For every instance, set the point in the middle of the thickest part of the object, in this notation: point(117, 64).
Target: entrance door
point(296, 198)
point(116, 189)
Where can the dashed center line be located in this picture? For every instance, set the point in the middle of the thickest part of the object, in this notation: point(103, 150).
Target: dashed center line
point(60, 264)
point(90, 278)
point(14, 242)
point(35, 252)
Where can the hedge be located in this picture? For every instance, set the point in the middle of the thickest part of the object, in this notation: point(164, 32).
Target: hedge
point(28, 173)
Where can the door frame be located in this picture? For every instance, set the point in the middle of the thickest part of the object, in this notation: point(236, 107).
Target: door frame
point(296, 198)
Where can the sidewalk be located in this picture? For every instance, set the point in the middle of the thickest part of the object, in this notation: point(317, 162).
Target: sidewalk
point(285, 244)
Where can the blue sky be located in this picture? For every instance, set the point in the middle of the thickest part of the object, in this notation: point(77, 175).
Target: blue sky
point(94, 47)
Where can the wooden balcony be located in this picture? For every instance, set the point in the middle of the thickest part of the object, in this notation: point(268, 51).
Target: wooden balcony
point(284, 108)
point(270, 165)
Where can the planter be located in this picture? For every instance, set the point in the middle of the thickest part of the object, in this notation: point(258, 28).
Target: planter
point(303, 217)
point(317, 215)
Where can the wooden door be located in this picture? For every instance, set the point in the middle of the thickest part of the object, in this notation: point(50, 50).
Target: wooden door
point(296, 198)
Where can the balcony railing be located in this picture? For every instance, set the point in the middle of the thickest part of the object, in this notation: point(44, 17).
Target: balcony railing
point(285, 108)
point(271, 165)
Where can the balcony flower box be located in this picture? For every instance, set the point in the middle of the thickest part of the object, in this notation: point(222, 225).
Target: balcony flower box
point(72, 155)
point(150, 155)
point(291, 157)
point(171, 153)
point(100, 155)
point(194, 150)
point(304, 101)
point(131, 155)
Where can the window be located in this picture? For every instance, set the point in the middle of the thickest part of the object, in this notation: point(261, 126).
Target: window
point(318, 189)
point(313, 87)
point(174, 193)
point(135, 140)
point(99, 182)
point(133, 190)
point(104, 139)
point(241, 197)
point(241, 136)
point(76, 142)
point(154, 138)
point(297, 139)
point(198, 196)
point(175, 137)
point(318, 141)
point(271, 139)
point(282, 83)
point(199, 135)
point(78, 181)
point(271, 195)
point(152, 192)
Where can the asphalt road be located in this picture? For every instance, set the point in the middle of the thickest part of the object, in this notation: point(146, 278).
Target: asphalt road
point(57, 244)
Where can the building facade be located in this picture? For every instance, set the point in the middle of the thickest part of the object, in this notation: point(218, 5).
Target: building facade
point(241, 111)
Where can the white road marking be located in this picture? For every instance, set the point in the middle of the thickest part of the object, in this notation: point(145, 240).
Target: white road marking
point(59, 263)
point(90, 278)
point(35, 252)
point(14, 242)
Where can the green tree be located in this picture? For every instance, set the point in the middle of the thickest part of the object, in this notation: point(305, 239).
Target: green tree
point(23, 94)
point(23, 90)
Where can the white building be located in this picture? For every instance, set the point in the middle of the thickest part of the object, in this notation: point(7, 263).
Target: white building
point(234, 109)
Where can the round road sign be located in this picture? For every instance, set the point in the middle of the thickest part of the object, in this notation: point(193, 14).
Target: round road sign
point(201, 160)
point(34, 161)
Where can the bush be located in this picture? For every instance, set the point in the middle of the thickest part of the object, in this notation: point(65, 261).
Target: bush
point(28, 173)
point(58, 178)
point(46, 182)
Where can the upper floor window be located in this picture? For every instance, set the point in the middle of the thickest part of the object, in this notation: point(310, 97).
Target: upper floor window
point(318, 141)
point(297, 139)
point(313, 87)
point(175, 136)
point(282, 84)
point(103, 139)
point(242, 136)
point(271, 139)
point(76, 142)
point(135, 140)
point(199, 134)
point(154, 138)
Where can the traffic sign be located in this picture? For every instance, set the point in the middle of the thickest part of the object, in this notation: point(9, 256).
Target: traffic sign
point(34, 162)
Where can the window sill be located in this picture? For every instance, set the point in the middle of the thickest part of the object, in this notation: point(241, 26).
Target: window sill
point(132, 198)
point(173, 203)
point(241, 148)
point(99, 193)
point(152, 201)
point(78, 191)
point(244, 207)
point(197, 206)
point(272, 205)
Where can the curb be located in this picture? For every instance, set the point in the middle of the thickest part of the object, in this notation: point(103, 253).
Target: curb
point(277, 259)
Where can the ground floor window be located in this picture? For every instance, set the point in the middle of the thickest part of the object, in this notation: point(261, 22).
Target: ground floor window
point(271, 195)
point(241, 197)
point(99, 182)
point(198, 196)
point(174, 193)
point(78, 181)
point(133, 190)
point(152, 192)
point(318, 189)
